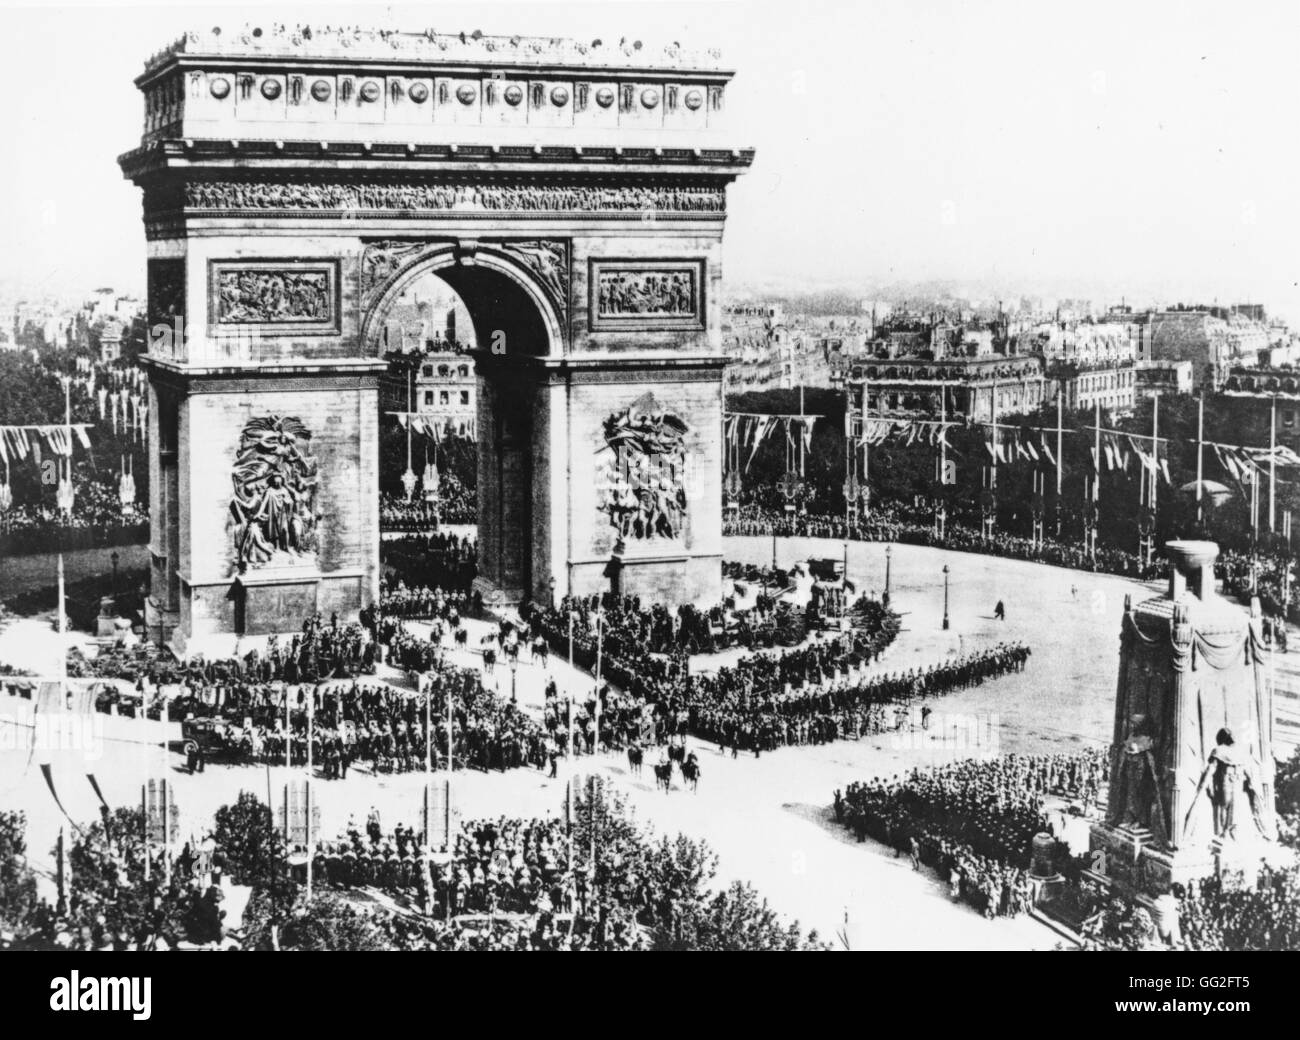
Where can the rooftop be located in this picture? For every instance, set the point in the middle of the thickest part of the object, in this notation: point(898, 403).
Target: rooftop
point(350, 43)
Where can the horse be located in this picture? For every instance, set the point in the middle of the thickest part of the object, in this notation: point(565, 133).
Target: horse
point(489, 661)
point(462, 637)
point(677, 753)
point(541, 649)
point(664, 775)
point(691, 773)
point(635, 756)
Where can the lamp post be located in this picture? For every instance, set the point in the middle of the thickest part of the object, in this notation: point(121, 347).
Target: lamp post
point(114, 560)
point(514, 665)
point(844, 591)
point(551, 586)
point(945, 597)
point(889, 552)
point(408, 478)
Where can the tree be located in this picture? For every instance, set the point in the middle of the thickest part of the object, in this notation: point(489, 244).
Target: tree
point(1287, 794)
point(666, 883)
point(17, 882)
point(739, 919)
point(328, 922)
point(249, 847)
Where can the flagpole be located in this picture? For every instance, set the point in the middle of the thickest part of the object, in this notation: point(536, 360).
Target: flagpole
point(1059, 404)
point(943, 454)
point(866, 456)
point(1095, 514)
point(1155, 451)
point(1272, 466)
point(1200, 459)
point(306, 787)
point(848, 460)
point(600, 643)
point(801, 422)
point(569, 692)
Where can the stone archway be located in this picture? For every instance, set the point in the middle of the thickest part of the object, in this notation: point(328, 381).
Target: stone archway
point(515, 309)
point(573, 197)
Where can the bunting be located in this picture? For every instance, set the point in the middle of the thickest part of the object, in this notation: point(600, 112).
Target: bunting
point(17, 442)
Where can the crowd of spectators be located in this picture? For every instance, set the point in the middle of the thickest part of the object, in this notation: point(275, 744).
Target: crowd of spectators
point(455, 504)
point(974, 821)
point(97, 518)
point(436, 560)
point(913, 527)
point(1229, 912)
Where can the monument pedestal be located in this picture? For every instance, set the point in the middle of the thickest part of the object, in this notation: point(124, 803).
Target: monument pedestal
point(1192, 763)
point(271, 595)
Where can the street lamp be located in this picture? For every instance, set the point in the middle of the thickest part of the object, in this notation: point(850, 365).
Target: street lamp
point(889, 552)
point(945, 597)
point(514, 665)
point(551, 585)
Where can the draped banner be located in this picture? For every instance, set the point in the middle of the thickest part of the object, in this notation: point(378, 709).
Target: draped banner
point(436, 427)
point(17, 442)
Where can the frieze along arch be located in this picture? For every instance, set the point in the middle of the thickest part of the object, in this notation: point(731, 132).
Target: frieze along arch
point(573, 196)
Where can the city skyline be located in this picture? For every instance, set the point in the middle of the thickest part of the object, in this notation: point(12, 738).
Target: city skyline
point(895, 145)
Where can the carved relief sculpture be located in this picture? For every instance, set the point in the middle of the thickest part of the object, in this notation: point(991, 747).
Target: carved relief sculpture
point(272, 510)
point(643, 492)
point(646, 294)
point(381, 261)
point(549, 261)
point(253, 295)
point(557, 197)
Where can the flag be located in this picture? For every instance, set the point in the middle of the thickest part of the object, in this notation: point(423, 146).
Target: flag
point(95, 784)
point(1048, 452)
point(807, 434)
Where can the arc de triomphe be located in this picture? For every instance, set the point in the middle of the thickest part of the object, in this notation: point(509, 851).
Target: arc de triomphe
point(294, 185)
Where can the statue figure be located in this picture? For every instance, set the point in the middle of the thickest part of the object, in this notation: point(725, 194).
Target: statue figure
point(274, 492)
point(644, 495)
point(1229, 770)
point(1137, 777)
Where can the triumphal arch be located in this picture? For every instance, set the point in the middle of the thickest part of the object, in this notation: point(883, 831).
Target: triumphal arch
point(573, 194)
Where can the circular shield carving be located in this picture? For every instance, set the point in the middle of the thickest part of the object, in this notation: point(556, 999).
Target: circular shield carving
point(513, 94)
point(650, 97)
point(604, 97)
point(466, 94)
point(220, 87)
point(693, 100)
point(369, 91)
point(419, 93)
point(320, 90)
point(559, 97)
point(270, 89)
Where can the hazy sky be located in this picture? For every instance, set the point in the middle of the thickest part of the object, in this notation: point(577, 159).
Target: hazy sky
point(1145, 147)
